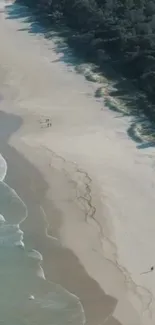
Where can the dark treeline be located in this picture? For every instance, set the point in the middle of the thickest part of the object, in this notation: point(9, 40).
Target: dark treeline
point(125, 29)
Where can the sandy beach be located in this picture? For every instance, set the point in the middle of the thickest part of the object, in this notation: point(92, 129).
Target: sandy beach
point(78, 171)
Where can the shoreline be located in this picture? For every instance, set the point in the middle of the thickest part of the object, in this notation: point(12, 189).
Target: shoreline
point(84, 132)
point(90, 292)
point(92, 297)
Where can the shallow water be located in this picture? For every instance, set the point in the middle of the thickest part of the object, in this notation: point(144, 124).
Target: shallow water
point(26, 296)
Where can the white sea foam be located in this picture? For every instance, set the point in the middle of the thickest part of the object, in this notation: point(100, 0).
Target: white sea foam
point(2, 219)
point(40, 273)
point(10, 235)
point(11, 205)
point(3, 168)
point(20, 243)
point(35, 254)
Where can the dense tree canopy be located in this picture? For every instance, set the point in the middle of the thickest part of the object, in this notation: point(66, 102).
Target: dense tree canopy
point(125, 29)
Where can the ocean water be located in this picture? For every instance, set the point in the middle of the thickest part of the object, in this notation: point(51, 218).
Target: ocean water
point(26, 297)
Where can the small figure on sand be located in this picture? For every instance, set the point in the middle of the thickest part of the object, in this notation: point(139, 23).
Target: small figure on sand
point(151, 269)
point(46, 123)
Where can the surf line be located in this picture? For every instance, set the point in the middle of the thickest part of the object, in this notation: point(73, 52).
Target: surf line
point(47, 223)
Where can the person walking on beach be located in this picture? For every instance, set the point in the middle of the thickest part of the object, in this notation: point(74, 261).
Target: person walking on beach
point(151, 269)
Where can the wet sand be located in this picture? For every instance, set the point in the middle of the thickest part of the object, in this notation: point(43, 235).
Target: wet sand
point(84, 173)
point(60, 265)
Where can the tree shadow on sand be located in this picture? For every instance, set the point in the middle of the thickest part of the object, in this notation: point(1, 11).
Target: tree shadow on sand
point(122, 90)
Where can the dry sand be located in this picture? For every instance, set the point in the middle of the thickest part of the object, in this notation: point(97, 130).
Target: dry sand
point(100, 185)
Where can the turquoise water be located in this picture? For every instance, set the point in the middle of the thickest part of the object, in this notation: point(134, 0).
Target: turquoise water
point(26, 296)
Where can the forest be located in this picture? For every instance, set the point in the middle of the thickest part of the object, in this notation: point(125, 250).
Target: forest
point(123, 30)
